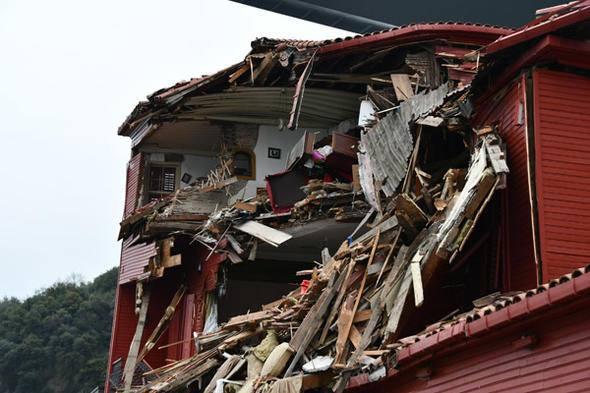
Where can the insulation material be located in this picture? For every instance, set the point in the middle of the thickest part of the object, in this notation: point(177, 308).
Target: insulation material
point(211, 312)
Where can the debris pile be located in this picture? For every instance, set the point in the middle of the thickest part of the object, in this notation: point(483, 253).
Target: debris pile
point(411, 173)
point(349, 318)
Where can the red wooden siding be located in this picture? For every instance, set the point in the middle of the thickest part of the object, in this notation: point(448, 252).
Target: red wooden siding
point(560, 362)
point(562, 144)
point(124, 323)
point(134, 174)
point(517, 225)
point(134, 259)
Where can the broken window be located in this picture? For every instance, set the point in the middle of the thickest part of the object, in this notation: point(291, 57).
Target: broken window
point(163, 179)
point(243, 164)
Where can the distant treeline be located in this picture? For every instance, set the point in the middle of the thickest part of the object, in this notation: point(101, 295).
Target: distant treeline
point(57, 340)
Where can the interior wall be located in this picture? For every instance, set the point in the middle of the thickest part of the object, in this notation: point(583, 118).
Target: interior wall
point(270, 136)
point(193, 164)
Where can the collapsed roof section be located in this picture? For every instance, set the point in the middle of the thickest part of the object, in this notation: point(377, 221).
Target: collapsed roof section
point(342, 66)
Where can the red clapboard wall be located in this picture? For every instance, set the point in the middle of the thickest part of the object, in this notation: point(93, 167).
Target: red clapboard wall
point(562, 145)
point(134, 259)
point(124, 322)
point(134, 174)
point(506, 110)
point(559, 362)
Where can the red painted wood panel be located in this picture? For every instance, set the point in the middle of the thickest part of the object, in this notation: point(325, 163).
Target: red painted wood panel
point(134, 259)
point(562, 143)
point(560, 362)
point(503, 110)
point(134, 174)
point(188, 318)
point(124, 323)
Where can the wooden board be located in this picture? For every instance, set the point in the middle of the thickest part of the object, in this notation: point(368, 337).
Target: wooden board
point(265, 233)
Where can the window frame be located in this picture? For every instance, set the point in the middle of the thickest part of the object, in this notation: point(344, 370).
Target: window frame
point(252, 156)
point(163, 164)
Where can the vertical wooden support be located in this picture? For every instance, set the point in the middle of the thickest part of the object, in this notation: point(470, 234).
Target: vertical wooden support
point(131, 362)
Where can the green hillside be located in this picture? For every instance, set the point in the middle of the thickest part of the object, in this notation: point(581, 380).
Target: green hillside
point(57, 340)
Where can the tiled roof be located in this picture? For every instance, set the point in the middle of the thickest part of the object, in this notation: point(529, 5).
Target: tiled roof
point(555, 19)
point(307, 44)
point(552, 292)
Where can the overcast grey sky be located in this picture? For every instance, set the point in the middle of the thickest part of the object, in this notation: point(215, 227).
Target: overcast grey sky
point(70, 71)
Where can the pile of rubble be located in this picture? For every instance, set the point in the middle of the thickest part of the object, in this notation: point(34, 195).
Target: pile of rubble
point(348, 317)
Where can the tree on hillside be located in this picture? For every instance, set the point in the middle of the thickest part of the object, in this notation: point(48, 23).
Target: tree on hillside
point(57, 340)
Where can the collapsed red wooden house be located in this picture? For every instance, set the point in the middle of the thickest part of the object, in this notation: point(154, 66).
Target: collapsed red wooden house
point(531, 85)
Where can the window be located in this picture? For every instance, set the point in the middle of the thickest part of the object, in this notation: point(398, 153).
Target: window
point(163, 179)
point(243, 164)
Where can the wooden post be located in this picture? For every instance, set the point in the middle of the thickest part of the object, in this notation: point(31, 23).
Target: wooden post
point(131, 362)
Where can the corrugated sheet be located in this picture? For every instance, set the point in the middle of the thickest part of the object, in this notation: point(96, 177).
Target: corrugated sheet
point(264, 105)
point(134, 259)
point(389, 144)
point(562, 143)
point(518, 234)
point(134, 171)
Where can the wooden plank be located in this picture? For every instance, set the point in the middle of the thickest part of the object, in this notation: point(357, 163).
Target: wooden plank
point(355, 337)
point(265, 233)
point(247, 319)
point(167, 260)
point(356, 181)
point(398, 306)
point(362, 316)
point(344, 323)
point(220, 184)
point(336, 306)
point(417, 283)
point(163, 323)
point(131, 362)
point(241, 71)
point(402, 86)
point(249, 207)
point(347, 322)
point(312, 321)
point(392, 247)
point(383, 227)
point(234, 244)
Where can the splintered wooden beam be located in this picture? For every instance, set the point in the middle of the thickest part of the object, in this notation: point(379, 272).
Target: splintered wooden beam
point(347, 319)
point(336, 306)
point(344, 324)
point(162, 324)
point(312, 321)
